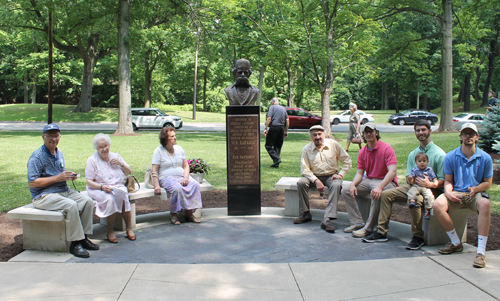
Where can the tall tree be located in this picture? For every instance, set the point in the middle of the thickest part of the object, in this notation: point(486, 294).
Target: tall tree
point(124, 89)
point(79, 28)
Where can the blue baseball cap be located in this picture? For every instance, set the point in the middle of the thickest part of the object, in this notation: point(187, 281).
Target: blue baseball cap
point(50, 127)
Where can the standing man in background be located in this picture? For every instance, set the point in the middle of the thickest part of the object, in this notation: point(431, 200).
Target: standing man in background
point(492, 102)
point(277, 122)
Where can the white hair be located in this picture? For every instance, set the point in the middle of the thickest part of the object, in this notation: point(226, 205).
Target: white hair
point(100, 137)
point(275, 100)
point(353, 105)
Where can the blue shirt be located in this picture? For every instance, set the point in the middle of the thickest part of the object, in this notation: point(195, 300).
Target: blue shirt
point(43, 164)
point(427, 171)
point(468, 173)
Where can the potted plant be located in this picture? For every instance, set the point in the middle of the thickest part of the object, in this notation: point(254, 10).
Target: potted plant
point(198, 168)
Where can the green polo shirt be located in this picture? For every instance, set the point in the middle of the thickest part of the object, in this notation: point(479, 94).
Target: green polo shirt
point(436, 159)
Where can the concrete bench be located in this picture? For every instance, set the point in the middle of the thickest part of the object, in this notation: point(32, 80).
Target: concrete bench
point(434, 233)
point(46, 230)
point(144, 192)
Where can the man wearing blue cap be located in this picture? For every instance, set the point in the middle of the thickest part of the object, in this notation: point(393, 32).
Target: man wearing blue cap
point(47, 178)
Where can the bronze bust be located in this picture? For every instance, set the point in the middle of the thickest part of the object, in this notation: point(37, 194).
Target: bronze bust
point(242, 93)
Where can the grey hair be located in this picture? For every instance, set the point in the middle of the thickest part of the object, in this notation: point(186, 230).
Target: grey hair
point(100, 137)
point(275, 100)
point(352, 104)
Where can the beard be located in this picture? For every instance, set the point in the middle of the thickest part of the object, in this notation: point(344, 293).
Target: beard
point(242, 81)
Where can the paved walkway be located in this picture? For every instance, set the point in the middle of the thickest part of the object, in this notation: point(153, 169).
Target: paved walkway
point(249, 258)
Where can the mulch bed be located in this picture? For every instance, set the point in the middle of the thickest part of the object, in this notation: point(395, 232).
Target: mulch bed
point(11, 240)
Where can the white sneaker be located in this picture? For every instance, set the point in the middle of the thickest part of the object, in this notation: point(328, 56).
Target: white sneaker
point(361, 233)
point(354, 227)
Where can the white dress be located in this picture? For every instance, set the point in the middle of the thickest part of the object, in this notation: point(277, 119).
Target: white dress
point(103, 173)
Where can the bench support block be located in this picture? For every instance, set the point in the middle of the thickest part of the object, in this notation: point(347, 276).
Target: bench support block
point(291, 202)
point(434, 233)
point(45, 235)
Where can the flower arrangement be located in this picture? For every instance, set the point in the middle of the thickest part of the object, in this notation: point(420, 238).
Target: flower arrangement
point(198, 166)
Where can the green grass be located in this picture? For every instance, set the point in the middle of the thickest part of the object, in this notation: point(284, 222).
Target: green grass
point(60, 113)
point(15, 149)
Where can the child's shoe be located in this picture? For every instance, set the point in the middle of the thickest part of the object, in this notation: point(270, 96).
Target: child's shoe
point(412, 205)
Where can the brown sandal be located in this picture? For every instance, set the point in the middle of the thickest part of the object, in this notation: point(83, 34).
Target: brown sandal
point(192, 219)
point(175, 220)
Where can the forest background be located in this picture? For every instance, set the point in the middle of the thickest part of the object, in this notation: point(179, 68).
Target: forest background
point(314, 54)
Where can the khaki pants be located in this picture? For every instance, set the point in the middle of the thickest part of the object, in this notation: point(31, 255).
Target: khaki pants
point(364, 193)
point(76, 208)
point(400, 195)
point(426, 193)
point(333, 197)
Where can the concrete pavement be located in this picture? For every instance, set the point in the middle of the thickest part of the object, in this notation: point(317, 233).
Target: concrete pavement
point(415, 275)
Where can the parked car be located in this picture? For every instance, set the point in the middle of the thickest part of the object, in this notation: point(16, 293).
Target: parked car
point(344, 117)
point(301, 119)
point(411, 116)
point(462, 118)
point(153, 118)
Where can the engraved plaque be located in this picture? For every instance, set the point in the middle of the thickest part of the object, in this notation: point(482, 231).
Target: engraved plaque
point(243, 146)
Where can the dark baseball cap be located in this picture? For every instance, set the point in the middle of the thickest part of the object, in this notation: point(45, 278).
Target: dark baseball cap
point(51, 127)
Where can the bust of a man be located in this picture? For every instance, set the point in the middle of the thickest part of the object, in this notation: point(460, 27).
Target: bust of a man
point(241, 93)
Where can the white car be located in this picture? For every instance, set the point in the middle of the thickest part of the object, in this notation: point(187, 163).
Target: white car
point(462, 118)
point(153, 118)
point(344, 117)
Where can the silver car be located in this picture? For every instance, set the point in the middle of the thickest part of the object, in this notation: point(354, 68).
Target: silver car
point(462, 118)
point(153, 118)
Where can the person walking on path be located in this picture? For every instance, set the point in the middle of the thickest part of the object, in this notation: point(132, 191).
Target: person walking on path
point(354, 125)
point(277, 121)
point(319, 167)
point(378, 160)
point(436, 159)
point(468, 174)
point(47, 176)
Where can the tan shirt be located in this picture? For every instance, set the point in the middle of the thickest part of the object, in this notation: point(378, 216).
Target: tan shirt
point(315, 162)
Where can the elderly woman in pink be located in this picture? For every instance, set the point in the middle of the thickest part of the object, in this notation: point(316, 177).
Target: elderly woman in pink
point(104, 173)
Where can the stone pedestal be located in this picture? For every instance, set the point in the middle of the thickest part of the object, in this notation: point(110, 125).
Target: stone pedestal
point(243, 160)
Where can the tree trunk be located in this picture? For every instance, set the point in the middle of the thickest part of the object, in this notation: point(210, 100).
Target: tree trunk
point(491, 67)
point(261, 83)
point(467, 92)
point(476, 84)
point(205, 80)
point(325, 110)
point(33, 89)
point(147, 81)
point(385, 97)
point(396, 97)
point(148, 75)
point(124, 92)
point(446, 123)
point(290, 76)
point(89, 57)
point(460, 93)
point(25, 88)
point(425, 100)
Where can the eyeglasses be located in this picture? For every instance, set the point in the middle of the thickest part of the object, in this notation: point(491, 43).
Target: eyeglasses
point(368, 131)
point(50, 137)
point(103, 148)
point(470, 134)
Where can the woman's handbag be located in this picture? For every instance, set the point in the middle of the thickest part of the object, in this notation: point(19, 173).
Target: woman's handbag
point(148, 178)
point(128, 181)
point(356, 139)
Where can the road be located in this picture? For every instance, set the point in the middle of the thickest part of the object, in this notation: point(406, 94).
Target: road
point(187, 127)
